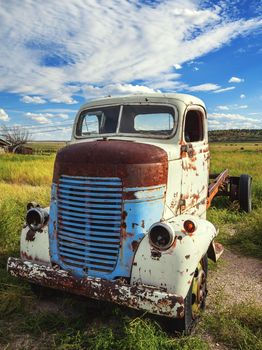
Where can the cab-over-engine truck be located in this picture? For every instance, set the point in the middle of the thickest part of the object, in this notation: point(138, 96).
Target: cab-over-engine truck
point(127, 219)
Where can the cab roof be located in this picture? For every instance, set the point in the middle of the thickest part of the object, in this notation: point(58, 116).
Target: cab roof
point(140, 98)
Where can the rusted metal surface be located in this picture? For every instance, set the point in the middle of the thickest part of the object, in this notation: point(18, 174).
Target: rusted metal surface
point(214, 187)
point(137, 164)
point(142, 297)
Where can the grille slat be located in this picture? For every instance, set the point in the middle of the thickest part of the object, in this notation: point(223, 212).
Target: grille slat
point(72, 199)
point(67, 223)
point(77, 232)
point(80, 250)
point(91, 245)
point(89, 222)
point(89, 206)
point(95, 257)
point(85, 239)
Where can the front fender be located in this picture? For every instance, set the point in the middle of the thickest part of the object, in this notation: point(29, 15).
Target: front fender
point(173, 269)
point(34, 246)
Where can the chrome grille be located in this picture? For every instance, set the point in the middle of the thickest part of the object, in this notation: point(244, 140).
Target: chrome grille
point(89, 222)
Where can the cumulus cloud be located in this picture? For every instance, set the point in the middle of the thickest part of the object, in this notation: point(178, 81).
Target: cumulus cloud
point(89, 43)
point(234, 106)
point(242, 96)
point(223, 108)
point(33, 99)
point(235, 80)
point(45, 118)
point(64, 99)
point(232, 121)
point(4, 116)
point(116, 89)
point(204, 87)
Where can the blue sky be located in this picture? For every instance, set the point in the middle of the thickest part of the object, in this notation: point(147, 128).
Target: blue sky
point(56, 55)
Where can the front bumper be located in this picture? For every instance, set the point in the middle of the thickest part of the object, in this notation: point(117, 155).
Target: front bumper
point(140, 297)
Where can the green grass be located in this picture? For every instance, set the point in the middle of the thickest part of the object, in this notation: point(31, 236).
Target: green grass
point(239, 327)
point(239, 231)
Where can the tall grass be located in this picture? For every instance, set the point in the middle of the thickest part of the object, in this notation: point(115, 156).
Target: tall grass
point(26, 170)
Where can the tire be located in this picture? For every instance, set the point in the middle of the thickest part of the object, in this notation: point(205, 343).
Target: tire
point(193, 304)
point(245, 199)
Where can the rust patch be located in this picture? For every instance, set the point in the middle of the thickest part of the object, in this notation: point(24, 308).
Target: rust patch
point(124, 215)
point(155, 254)
point(134, 245)
point(180, 312)
point(30, 236)
point(26, 256)
point(137, 164)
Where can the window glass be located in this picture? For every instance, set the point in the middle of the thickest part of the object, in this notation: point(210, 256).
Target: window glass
point(98, 121)
point(194, 126)
point(148, 120)
point(90, 124)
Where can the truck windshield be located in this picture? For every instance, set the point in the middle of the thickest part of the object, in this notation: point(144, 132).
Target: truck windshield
point(140, 120)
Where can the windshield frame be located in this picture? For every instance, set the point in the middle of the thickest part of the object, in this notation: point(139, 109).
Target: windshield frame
point(121, 134)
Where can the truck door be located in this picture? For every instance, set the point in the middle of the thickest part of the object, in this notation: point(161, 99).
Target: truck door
point(195, 162)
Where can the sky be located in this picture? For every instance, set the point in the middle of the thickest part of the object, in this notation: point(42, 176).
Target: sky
point(55, 55)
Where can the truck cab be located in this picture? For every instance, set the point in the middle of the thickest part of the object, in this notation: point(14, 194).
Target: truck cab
point(127, 217)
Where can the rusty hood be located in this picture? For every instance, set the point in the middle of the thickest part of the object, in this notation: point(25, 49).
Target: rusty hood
point(137, 164)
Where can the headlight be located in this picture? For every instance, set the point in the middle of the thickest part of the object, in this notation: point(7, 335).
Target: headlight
point(161, 236)
point(36, 218)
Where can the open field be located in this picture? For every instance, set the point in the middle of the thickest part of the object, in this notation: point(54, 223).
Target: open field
point(64, 322)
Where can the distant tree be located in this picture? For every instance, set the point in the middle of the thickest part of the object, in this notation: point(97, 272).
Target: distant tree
point(16, 136)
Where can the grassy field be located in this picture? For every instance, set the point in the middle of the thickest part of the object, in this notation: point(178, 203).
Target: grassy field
point(64, 322)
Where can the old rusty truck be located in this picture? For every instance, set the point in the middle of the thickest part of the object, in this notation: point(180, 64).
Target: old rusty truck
point(127, 219)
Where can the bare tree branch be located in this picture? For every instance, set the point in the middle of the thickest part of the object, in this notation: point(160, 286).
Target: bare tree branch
point(15, 135)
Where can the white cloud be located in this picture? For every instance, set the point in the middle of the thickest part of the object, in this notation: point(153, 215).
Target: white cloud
point(177, 66)
point(236, 80)
point(215, 116)
point(243, 107)
point(224, 89)
point(232, 121)
point(4, 116)
point(116, 89)
point(44, 118)
point(223, 108)
point(195, 69)
point(242, 96)
point(33, 99)
point(90, 43)
point(64, 99)
point(204, 87)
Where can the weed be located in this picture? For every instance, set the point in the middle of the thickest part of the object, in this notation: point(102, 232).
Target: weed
point(238, 328)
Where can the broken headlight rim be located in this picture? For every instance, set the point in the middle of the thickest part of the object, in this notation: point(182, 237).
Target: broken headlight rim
point(161, 236)
point(36, 218)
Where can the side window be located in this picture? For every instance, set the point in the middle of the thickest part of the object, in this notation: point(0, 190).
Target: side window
point(194, 126)
point(90, 124)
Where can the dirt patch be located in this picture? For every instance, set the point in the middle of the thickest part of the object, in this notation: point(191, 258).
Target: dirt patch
point(239, 278)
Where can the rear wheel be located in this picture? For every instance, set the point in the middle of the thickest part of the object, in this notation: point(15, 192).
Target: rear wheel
point(245, 200)
point(195, 300)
